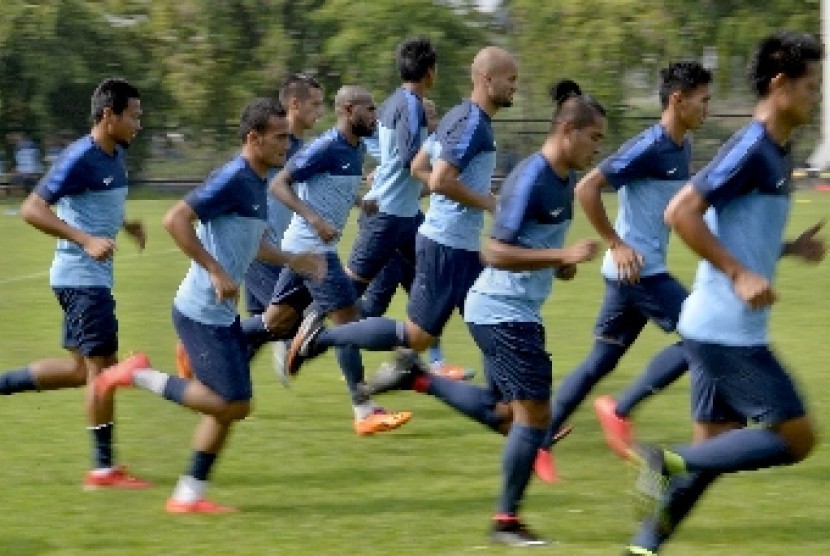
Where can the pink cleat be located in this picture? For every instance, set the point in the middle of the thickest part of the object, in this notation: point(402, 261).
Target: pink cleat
point(120, 374)
point(619, 432)
point(200, 506)
point(544, 466)
point(116, 478)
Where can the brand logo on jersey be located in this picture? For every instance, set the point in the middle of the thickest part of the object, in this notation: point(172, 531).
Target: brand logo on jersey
point(556, 212)
point(781, 182)
point(346, 166)
point(672, 171)
point(108, 180)
point(255, 207)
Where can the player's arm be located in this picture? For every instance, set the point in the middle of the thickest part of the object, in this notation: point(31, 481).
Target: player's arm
point(282, 190)
point(506, 256)
point(309, 264)
point(136, 230)
point(444, 180)
point(421, 167)
point(37, 212)
point(684, 214)
point(179, 222)
point(589, 193)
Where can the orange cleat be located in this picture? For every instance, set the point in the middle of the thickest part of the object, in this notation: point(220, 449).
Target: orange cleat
point(619, 432)
point(117, 478)
point(183, 368)
point(120, 374)
point(381, 421)
point(450, 371)
point(200, 506)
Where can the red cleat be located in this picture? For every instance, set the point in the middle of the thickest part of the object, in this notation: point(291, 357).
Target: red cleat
point(120, 374)
point(544, 466)
point(200, 506)
point(183, 368)
point(117, 478)
point(619, 432)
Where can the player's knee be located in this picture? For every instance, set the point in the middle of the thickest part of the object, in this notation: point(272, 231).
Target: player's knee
point(801, 437)
point(280, 320)
point(236, 411)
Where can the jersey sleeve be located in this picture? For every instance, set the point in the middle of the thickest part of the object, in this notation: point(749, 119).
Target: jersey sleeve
point(461, 141)
point(214, 198)
point(372, 146)
point(309, 161)
point(728, 175)
point(636, 159)
point(408, 129)
point(66, 177)
point(514, 203)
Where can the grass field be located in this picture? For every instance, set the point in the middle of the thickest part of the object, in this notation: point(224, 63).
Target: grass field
point(307, 484)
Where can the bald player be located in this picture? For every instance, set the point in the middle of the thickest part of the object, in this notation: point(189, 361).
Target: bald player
point(326, 175)
point(447, 258)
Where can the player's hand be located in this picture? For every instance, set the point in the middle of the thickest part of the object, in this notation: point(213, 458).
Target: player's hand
point(808, 246)
point(135, 229)
point(754, 289)
point(492, 203)
point(312, 265)
point(582, 251)
point(628, 262)
point(99, 248)
point(325, 231)
point(566, 272)
point(369, 206)
point(224, 286)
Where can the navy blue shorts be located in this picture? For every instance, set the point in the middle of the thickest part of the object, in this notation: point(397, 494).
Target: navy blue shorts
point(378, 295)
point(443, 276)
point(291, 290)
point(218, 356)
point(89, 323)
point(627, 308)
point(737, 384)
point(260, 281)
point(334, 292)
point(380, 236)
point(516, 364)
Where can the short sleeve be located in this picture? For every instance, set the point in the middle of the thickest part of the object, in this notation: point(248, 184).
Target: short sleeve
point(216, 197)
point(636, 159)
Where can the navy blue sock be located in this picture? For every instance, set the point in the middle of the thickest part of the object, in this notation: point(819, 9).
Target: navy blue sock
point(174, 389)
point(200, 465)
point(737, 450)
point(683, 493)
point(666, 367)
point(102, 445)
point(517, 465)
point(576, 386)
point(18, 380)
point(352, 366)
point(373, 333)
point(475, 402)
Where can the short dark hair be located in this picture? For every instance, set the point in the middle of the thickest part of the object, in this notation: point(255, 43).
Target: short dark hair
point(256, 114)
point(113, 93)
point(784, 52)
point(297, 85)
point(414, 58)
point(684, 76)
point(572, 105)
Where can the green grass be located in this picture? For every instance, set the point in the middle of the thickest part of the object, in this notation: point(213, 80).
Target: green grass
point(307, 485)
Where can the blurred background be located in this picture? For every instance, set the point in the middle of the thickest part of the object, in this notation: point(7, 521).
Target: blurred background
point(197, 62)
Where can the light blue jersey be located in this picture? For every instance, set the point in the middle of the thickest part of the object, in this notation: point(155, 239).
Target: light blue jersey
point(466, 140)
point(328, 174)
point(535, 211)
point(89, 188)
point(231, 206)
point(402, 127)
point(647, 171)
point(747, 185)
